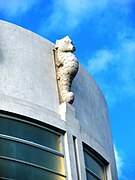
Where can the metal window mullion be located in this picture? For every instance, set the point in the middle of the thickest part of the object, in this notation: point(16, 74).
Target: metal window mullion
point(93, 174)
point(4, 178)
point(94, 157)
point(32, 164)
point(31, 144)
point(30, 123)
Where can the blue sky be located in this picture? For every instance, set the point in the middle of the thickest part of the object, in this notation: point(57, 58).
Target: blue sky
point(103, 32)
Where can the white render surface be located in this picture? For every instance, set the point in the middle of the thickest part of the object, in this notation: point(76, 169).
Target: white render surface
point(28, 86)
point(92, 113)
point(27, 70)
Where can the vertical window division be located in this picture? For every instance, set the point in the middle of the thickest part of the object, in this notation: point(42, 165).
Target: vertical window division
point(95, 168)
point(30, 151)
point(76, 159)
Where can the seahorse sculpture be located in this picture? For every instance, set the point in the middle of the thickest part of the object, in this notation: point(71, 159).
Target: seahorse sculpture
point(66, 68)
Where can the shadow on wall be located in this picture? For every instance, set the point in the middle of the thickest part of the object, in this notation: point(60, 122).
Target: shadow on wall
point(1, 56)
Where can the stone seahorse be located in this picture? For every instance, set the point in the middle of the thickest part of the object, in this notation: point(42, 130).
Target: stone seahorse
point(66, 68)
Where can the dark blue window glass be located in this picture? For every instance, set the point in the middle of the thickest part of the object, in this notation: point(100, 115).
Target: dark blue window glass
point(94, 168)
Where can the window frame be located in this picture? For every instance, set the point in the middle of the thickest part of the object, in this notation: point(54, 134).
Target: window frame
point(98, 159)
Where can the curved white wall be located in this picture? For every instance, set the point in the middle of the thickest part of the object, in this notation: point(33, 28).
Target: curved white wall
point(28, 87)
point(92, 113)
point(27, 70)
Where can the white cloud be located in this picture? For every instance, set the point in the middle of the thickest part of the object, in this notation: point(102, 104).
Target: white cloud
point(67, 15)
point(100, 61)
point(114, 69)
point(15, 7)
point(119, 162)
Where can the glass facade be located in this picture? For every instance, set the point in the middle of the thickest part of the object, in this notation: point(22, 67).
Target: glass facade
point(30, 151)
point(95, 169)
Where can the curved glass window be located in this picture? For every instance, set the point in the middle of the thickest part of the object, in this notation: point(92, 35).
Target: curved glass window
point(31, 132)
point(95, 169)
point(30, 151)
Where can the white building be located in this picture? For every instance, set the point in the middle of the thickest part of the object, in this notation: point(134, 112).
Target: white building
point(40, 139)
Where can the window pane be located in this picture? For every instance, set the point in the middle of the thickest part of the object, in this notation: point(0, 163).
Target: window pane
point(32, 155)
point(13, 170)
point(31, 133)
point(90, 177)
point(93, 165)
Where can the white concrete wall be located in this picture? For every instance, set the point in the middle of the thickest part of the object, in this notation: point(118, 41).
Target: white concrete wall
point(28, 87)
point(92, 113)
point(27, 70)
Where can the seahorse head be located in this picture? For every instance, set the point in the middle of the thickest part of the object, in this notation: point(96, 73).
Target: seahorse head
point(65, 45)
